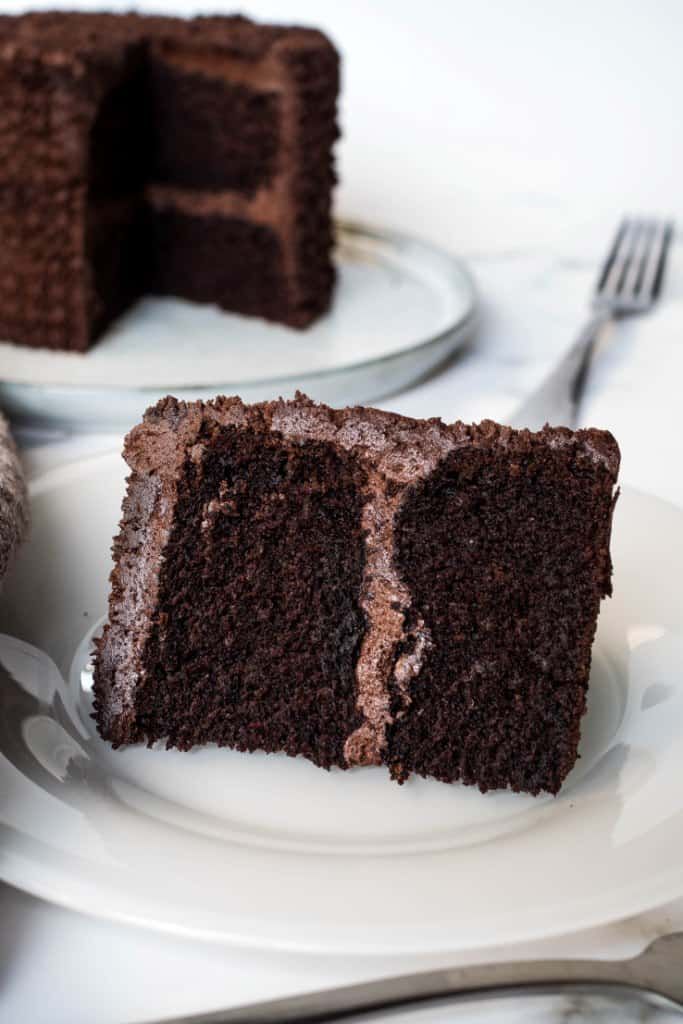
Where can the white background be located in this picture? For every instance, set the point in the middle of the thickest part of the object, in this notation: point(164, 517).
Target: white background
point(516, 134)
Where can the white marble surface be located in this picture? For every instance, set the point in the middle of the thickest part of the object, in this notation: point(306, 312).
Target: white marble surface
point(516, 134)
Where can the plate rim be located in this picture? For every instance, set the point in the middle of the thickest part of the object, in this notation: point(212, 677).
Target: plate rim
point(506, 934)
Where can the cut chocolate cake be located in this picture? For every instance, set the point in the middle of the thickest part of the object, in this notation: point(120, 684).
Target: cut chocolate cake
point(359, 588)
point(147, 154)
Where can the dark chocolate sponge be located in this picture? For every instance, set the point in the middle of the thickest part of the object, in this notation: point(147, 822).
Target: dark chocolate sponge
point(148, 154)
point(359, 588)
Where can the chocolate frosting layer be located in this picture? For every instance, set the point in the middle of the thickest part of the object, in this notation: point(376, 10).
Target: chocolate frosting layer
point(395, 453)
point(13, 498)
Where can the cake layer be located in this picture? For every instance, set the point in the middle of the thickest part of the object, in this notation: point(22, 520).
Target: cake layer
point(43, 279)
point(210, 258)
point(68, 264)
point(245, 658)
point(359, 588)
point(52, 86)
point(191, 112)
point(505, 551)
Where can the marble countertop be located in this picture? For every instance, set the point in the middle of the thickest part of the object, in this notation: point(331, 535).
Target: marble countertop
point(517, 137)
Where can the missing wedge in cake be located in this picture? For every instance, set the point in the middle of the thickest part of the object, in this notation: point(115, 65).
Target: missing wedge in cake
point(359, 588)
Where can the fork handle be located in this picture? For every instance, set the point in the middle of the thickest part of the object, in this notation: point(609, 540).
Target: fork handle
point(557, 399)
point(452, 984)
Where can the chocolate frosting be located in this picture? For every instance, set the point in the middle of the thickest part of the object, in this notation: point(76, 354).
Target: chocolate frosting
point(13, 498)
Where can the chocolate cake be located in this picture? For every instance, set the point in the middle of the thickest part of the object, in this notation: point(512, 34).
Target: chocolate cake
point(359, 588)
point(147, 154)
point(13, 498)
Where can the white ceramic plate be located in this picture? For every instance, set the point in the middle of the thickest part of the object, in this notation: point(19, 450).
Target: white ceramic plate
point(273, 852)
point(400, 308)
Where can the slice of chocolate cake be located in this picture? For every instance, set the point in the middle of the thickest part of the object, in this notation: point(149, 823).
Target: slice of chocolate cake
point(13, 498)
point(147, 154)
point(359, 588)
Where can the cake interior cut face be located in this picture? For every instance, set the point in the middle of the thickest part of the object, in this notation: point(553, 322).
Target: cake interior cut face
point(143, 154)
point(358, 588)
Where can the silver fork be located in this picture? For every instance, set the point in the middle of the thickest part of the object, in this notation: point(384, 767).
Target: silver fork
point(657, 972)
point(628, 284)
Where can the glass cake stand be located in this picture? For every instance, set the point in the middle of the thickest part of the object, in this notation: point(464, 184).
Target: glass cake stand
point(401, 307)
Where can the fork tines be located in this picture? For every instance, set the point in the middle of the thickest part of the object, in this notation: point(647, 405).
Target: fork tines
point(631, 278)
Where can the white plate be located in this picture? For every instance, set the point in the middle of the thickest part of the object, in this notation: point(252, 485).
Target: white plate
point(273, 852)
point(400, 307)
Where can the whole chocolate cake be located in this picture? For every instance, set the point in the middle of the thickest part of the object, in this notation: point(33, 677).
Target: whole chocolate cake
point(359, 588)
point(147, 154)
